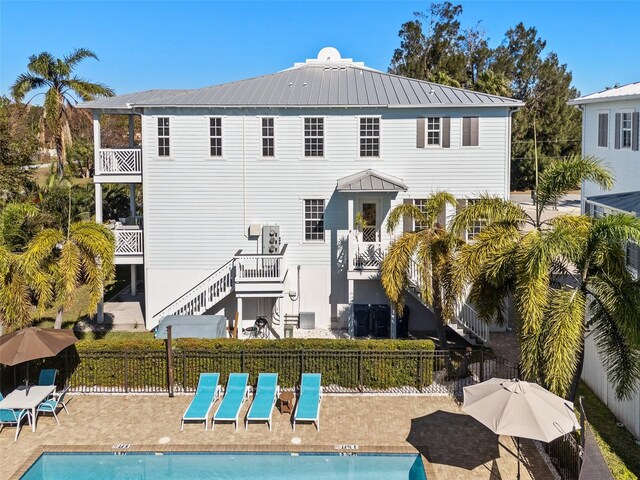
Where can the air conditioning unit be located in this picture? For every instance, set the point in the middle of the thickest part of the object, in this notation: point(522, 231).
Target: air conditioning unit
point(270, 239)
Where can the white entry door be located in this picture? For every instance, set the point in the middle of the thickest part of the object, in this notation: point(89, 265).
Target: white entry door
point(369, 208)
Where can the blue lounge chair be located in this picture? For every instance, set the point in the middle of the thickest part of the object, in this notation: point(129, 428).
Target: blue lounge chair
point(235, 394)
point(264, 400)
point(51, 405)
point(13, 417)
point(308, 406)
point(208, 391)
point(47, 377)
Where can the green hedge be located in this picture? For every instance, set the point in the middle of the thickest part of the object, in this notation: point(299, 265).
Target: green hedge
point(126, 365)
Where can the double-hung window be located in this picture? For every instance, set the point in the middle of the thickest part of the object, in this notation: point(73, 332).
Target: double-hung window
point(476, 227)
point(314, 137)
point(215, 136)
point(314, 220)
point(433, 131)
point(421, 203)
point(268, 137)
point(625, 130)
point(163, 136)
point(370, 137)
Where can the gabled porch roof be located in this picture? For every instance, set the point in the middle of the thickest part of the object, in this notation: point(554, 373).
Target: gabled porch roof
point(371, 181)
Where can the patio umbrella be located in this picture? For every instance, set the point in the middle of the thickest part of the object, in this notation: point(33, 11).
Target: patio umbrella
point(33, 343)
point(520, 409)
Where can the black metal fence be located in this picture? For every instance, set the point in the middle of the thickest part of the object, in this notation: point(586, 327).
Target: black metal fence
point(566, 455)
point(342, 370)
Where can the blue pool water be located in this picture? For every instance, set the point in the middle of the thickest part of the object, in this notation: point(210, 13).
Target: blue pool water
point(224, 466)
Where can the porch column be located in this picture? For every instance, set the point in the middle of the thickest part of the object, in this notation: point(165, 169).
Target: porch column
point(96, 142)
point(132, 199)
point(351, 295)
point(281, 313)
point(351, 241)
point(239, 309)
point(98, 202)
point(134, 281)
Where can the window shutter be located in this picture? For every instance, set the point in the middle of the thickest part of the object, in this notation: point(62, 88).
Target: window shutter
point(603, 130)
point(420, 143)
point(446, 132)
point(617, 131)
point(407, 221)
point(635, 130)
point(474, 131)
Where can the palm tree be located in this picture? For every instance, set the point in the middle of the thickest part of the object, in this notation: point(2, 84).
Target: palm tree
point(566, 275)
point(62, 86)
point(58, 262)
point(427, 253)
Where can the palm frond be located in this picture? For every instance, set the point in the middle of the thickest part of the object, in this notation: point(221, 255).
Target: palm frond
point(489, 209)
point(394, 269)
point(562, 338)
point(88, 90)
point(566, 174)
point(408, 210)
point(15, 300)
point(42, 65)
point(77, 55)
point(25, 83)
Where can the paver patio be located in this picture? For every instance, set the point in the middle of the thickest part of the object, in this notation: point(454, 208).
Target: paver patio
point(455, 445)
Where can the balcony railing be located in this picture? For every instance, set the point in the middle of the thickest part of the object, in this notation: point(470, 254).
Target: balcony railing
point(128, 241)
point(368, 255)
point(256, 267)
point(119, 161)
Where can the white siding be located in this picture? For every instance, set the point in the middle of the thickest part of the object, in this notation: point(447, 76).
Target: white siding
point(624, 162)
point(197, 209)
point(594, 375)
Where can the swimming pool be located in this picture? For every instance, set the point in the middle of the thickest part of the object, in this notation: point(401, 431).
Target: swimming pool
point(227, 466)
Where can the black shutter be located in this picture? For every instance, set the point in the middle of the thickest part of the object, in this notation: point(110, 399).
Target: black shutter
point(420, 143)
point(407, 221)
point(446, 132)
point(616, 141)
point(635, 120)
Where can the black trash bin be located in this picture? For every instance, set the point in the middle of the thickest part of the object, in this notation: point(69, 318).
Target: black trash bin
point(402, 323)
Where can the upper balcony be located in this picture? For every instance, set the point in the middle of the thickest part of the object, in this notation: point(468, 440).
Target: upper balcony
point(260, 275)
point(119, 165)
point(129, 241)
point(365, 259)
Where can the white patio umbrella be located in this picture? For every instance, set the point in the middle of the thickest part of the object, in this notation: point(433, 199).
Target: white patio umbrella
point(520, 409)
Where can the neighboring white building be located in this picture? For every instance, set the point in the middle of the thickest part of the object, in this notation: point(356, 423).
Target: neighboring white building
point(610, 131)
point(251, 188)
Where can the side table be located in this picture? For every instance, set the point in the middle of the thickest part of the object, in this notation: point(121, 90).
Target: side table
point(286, 402)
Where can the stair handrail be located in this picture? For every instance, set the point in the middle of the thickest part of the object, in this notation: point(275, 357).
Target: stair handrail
point(227, 267)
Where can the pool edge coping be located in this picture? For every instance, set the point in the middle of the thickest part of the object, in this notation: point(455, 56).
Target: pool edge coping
point(42, 449)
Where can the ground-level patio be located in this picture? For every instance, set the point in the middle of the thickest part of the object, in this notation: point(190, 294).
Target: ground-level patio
point(454, 445)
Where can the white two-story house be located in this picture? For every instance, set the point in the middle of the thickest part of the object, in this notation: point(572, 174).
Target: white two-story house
point(611, 132)
point(251, 188)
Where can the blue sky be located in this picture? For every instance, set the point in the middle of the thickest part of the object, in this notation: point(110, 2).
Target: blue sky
point(150, 44)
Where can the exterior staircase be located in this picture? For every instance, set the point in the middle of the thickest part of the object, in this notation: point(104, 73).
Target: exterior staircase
point(467, 322)
point(204, 295)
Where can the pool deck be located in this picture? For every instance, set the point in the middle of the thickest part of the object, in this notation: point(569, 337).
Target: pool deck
point(453, 445)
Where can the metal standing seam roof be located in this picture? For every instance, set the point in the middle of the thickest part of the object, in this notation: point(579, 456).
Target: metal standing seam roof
point(313, 85)
point(371, 181)
point(626, 201)
point(624, 92)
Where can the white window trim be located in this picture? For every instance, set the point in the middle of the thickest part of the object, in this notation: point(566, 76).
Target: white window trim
point(608, 112)
point(426, 132)
point(379, 156)
point(163, 157)
point(275, 135)
point(324, 137)
point(630, 111)
point(462, 145)
point(222, 136)
point(304, 219)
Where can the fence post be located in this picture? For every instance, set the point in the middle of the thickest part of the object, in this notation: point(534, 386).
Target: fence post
point(361, 370)
point(420, 379)
point(126, 372)
point(242, 360)
point(169, 342)
point(184, 371)
point(301, 363)
point(482, 365)
point(583, 433)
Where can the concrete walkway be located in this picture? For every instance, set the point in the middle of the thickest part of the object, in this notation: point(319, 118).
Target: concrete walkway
point(455, 446)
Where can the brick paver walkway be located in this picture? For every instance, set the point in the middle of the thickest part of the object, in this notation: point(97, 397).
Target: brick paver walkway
point(456, 446)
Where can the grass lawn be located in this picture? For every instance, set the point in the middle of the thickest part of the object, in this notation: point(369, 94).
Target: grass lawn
point(618, 446)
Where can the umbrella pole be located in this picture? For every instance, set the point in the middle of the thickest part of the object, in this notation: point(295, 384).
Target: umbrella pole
point(518, 441)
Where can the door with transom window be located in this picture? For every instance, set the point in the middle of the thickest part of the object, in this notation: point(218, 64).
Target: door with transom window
point(369, 209)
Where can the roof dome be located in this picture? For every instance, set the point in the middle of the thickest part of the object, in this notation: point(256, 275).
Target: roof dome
point(328, 54)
